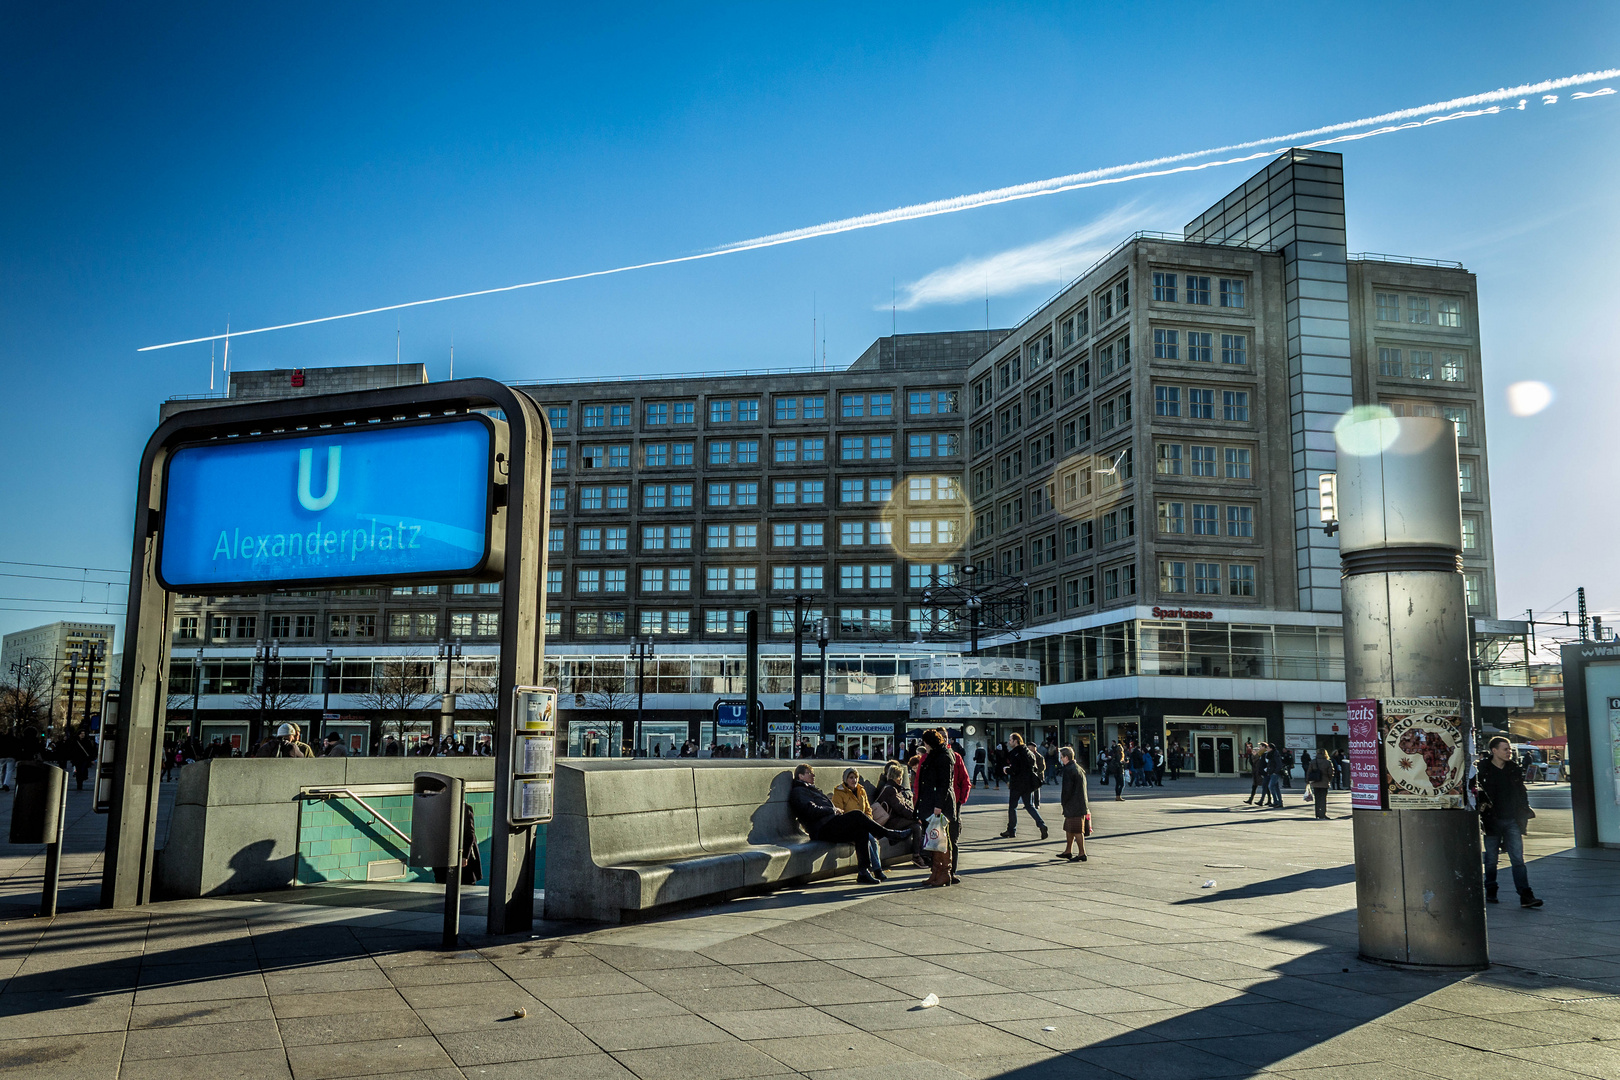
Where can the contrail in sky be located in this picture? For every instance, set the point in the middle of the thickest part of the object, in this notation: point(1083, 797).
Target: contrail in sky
point(1401, 120)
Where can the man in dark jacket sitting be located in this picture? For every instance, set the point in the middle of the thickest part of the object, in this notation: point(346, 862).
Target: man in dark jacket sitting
point(815, 811)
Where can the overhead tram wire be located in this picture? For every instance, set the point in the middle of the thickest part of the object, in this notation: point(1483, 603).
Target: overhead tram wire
point(59, 566)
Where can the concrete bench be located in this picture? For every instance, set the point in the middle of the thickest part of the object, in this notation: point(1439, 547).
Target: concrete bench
point(631, 837)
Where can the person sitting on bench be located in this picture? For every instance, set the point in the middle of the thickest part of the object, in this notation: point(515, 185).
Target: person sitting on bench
point(815, 811)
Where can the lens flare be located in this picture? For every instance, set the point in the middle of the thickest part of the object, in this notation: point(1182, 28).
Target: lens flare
point(1361, 439)
point(1528, 398)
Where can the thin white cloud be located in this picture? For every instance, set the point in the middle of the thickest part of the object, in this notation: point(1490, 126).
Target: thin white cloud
point(1046, 262)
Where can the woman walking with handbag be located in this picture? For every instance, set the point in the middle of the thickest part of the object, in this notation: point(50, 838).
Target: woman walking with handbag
point(936, 793)
point(1076, 807)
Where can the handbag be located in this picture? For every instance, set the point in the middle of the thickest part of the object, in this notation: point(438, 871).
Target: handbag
point(880, 813)
point(1088, 826)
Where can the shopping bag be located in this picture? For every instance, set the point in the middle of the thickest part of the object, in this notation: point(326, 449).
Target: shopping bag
point(1088, 826)
point(938, 835)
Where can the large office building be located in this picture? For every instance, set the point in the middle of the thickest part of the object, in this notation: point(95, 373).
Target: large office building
point(1139, 458)
point(63, 666)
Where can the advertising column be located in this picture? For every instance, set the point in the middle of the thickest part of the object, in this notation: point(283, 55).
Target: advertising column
point(1419, 890)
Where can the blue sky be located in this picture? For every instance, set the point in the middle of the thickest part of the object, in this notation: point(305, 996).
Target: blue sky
point(167, 168)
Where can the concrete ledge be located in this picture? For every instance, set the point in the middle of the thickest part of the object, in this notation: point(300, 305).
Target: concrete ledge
point(235, 823)
point(632, 837)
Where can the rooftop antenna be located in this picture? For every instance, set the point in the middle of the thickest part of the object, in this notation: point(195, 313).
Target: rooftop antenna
point(823, 344)
point(211, 360)
point(812, 328)
point(399, 333)
point(225, 366)
point(452, 356)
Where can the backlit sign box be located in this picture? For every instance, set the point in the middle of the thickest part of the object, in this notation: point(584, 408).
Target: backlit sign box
point(365, 503)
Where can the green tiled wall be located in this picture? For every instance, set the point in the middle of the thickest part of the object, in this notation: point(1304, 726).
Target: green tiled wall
point(338, 838)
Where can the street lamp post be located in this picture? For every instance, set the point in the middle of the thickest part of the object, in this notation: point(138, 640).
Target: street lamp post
point(798, 667)
point(326, 691)
point(448, 651)
point(196, 695)
point(73, 688)
point(641, 648)
point(821, 640)
point(264, 652)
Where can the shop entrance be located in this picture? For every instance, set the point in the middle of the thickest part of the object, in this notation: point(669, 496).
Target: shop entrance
point(1082, 735)
point(726, 742)
point(868, 741)
point(1215, 754)
point(661, 738)
point(593, 738)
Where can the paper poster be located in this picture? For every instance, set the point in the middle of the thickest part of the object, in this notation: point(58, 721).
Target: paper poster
point(531, 800)
point(1425, 748)
point(1366, 782)
point(536, 755)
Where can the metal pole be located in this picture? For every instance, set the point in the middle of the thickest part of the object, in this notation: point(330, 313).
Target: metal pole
point(642, 647)
point(452, 877)
point(821, 639)
point(751, 678)
point(53, 857)
point(326, 688)
point(261, 653)
point(196, 696)
point(798, 667)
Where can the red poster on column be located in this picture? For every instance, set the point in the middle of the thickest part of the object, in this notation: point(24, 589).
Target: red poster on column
point(1366, 778)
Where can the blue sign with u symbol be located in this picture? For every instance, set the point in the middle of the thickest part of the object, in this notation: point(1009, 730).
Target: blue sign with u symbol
point(362, 503)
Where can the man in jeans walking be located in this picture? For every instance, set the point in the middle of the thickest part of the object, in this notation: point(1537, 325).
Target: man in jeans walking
point(1504, 811)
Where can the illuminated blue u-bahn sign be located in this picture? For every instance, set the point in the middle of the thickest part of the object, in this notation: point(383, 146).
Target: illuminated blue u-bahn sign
point(372, 503)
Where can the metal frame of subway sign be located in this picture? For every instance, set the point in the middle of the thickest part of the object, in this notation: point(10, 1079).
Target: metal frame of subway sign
point(438, 481)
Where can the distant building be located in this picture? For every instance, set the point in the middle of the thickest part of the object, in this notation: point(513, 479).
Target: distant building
point(1141, 453)
point(48, 649)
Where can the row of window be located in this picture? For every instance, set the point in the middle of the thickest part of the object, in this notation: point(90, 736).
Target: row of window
point(1457, 414)
point(1418, 310)
point(1117, 524)
point(1200, 347)
point(1201, 403)
point(796, 577)
point(1113, 299)
point(728, 493)
point(361, 626)
point(1419, 364)
point(728, 410)
point(804, 534)
point(1196, 289)
point(1232, 462)
point(1205, 519)
point(1205, 578)
point(851, 621)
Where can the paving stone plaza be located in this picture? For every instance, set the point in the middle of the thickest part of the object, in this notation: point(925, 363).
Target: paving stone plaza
point(1123, 966)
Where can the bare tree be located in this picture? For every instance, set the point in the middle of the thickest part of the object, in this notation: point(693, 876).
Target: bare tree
point(400, 687)
point(26, 696)
point(609, 697)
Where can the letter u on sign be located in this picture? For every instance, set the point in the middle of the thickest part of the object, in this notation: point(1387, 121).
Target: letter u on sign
point(306, 459)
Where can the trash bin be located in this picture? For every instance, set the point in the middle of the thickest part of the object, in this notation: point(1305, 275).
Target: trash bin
point(436, 820)
point(36, 809)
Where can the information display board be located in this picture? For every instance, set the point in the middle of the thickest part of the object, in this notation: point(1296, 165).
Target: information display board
point(1426, 753)
point(391, 502)
point(1366, 777)
point(534, 754)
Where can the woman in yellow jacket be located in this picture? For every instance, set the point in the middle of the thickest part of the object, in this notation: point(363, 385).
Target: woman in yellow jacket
point(850, 796)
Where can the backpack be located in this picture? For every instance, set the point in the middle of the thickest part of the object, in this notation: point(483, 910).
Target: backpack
point(1037, 766)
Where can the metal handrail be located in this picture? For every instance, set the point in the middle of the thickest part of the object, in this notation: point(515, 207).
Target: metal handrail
point(327, 793)
point(1410, 260)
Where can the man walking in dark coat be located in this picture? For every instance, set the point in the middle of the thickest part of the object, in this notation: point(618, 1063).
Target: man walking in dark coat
point(1504, 811)
point(1023, 779)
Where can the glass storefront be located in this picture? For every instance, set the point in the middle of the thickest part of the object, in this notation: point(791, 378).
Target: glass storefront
point(1183, 647)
